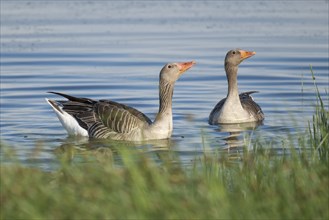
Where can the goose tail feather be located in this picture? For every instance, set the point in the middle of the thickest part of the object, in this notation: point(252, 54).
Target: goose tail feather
point(70, 124)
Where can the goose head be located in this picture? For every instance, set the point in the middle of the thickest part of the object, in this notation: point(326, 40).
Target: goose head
point(235, 57)
point(172, 71)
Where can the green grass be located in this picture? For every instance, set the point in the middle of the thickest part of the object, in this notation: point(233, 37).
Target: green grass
point(318, 130)
point(259, 186)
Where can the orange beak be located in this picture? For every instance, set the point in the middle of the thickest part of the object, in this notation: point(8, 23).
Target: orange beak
point(185, 66)
point(246, 54)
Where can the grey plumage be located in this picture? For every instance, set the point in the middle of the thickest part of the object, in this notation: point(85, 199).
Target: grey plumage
point(109, 119)
point(103, 118)
point(247, 103)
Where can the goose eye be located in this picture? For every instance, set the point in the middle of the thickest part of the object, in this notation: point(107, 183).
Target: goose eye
point(169, 66)
point(233, 52)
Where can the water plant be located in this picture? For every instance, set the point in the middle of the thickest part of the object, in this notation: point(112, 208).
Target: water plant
point(319, 128)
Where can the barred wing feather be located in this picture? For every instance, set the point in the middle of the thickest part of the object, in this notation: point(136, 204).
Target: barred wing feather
point(103, 118)
point(120, 118)
point(250, 105)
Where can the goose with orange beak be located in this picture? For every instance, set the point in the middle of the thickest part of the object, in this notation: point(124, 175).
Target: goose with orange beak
point(109, 119)
point(236, 108)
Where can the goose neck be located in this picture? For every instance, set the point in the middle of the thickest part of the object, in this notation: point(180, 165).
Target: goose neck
point(231, 74)
point(166, 90)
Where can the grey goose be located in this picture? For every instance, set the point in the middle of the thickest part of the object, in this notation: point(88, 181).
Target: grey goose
point(236, 108)
point(113, 120)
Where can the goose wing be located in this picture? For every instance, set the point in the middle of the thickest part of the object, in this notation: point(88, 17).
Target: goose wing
point(250, 105)
point(104, 117)
point(119, 117)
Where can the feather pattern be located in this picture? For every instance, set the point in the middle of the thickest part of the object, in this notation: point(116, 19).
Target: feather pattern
point(165, 94)
point(103, 118)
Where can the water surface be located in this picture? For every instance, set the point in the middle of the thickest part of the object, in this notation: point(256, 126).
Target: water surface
point(115, 50)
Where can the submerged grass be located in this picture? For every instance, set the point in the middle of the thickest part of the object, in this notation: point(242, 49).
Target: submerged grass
point(260, 186)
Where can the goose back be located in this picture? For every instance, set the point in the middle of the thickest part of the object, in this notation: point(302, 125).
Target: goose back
point(103, 118)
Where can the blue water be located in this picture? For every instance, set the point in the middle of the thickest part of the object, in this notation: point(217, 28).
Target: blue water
point(115, 50)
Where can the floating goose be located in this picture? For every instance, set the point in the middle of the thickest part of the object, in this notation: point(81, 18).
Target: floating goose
point(109, 119)
point(235, 108)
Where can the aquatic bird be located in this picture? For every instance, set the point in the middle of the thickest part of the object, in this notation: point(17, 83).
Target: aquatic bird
point(236, 108)
point(113, 120)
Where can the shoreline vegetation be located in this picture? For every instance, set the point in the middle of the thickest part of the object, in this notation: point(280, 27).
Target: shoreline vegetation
point(260, 185)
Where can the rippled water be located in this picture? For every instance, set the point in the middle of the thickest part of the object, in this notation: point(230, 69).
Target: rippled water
point(115, 50)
